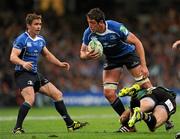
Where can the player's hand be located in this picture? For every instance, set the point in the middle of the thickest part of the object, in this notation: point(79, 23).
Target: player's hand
point(92, 55)
point(65, 65)
point(27, 65)
point(145, 71)
point(174, 46)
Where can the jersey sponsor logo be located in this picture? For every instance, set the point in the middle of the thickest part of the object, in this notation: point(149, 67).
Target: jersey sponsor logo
point(46, 80)
point(35, 43)
point(113, 37)
point(29, 44)
point(29, 82)
point(105, 43)
point(135, 63)
point(169, 105)
point(106, 65)
point(35, 51)
point(41, 44)
point(32, 54)
point(109, 45)
point(124, 30)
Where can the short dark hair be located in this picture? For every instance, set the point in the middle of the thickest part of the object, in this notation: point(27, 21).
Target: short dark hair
point(31, 16)
point(97, 14)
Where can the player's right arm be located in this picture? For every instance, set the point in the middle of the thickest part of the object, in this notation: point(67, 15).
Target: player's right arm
point(86, 55)
point(16, 60)
point(176, 44)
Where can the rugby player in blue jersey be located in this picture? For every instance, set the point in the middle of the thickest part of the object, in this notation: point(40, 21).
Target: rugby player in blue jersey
point(121, 48)
point(25, 53)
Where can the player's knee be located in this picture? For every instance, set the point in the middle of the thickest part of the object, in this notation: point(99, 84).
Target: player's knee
point(57, 95)
point(110, 95)
point(143, 82)
point(30, 100)
point(110, 86)
point(109, 91)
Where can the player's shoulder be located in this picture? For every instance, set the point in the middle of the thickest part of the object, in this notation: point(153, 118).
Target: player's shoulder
point(22, 37)
point(40, 37)
point(87, 31)
point(117, 27)
point(113, 23)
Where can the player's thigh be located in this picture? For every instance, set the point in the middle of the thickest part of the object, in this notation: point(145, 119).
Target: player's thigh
point(147, 104)
point(110, 83)
point(50, 90)
point(28, 94)
point(112, 75)
point(161, 115)
point(136, 71)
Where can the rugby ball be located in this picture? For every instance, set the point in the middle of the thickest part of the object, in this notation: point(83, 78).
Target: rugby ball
point(95, 45)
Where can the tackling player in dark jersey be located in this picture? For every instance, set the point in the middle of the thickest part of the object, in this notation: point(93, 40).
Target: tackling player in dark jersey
point(120, 48)
point(154, 105)
point(25, 53)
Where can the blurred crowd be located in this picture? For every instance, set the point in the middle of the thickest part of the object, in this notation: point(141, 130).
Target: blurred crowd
point(63, 34)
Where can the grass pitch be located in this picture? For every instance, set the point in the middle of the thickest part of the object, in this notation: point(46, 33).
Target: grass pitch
point(45, 123)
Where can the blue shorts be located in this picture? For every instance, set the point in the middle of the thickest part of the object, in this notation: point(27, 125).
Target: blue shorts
point(130, 60)
point(24, 79)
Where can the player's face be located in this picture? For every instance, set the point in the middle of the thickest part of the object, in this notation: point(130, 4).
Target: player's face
point(35, 27)
point(93, 25)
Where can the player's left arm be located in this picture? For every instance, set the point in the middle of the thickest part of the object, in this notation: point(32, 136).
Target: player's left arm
point(131, 38)
point(51, 58)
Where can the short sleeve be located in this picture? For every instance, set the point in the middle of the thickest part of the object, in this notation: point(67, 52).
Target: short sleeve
point(86, 37)
point(18, 43)
point(119, 28)
point(123, 31)
point(44, 44)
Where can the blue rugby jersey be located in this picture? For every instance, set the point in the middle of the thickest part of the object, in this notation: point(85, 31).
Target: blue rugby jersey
point(113, 39)
point(30, 49)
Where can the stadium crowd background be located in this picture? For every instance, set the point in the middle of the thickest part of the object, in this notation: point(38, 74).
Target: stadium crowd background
point(155, 22)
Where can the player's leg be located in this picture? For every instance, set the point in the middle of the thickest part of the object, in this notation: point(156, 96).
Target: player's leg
point(155, 119)
point(25, 82)
point(132, 62)
point(136, 72)
point(147, 104)
point(167, 98)
point(161, 115)
point(50, 90)
point(28, 95)
point(110, 82)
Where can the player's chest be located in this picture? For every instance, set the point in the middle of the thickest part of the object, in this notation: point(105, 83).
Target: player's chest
point(34, 46)
point(108, 38)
